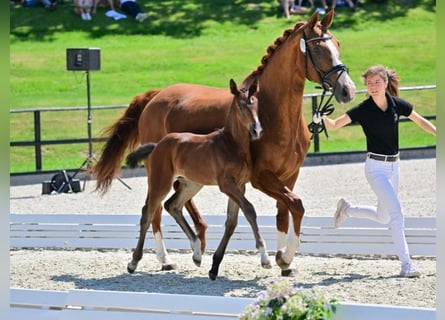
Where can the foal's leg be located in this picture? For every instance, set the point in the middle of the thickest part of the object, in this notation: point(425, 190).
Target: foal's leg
point(144, 224)
point(186, 189)
point(268, 183)
point(161, 251)
point(230, 187)
point(200, 224)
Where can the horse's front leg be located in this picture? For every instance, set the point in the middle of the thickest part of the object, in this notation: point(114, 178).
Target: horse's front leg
point(185, 190)
point(287, 201)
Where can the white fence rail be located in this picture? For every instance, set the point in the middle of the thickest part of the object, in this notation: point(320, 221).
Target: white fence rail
point(118, 305)
point(73, 231)
point(355, 236)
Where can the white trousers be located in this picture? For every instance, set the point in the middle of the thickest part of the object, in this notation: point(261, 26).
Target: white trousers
point(383, 178)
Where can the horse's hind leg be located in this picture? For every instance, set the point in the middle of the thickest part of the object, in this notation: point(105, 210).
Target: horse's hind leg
point(185, 191)
point(200, 224)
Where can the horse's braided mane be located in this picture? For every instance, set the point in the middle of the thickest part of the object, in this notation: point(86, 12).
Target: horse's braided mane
point(273, 48)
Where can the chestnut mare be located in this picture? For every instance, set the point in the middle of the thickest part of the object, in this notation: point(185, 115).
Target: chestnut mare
point(306, 51)
point(226, 154)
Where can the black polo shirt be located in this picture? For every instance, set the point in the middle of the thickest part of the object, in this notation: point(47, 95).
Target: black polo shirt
point(381, 128)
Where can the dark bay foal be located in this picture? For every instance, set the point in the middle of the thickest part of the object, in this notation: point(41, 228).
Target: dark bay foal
point(220, 158)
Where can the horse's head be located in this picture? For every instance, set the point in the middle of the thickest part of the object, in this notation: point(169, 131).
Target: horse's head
point(247, 103)
point(322, 54)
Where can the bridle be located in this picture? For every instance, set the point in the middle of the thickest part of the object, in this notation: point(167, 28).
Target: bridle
point(327, 108)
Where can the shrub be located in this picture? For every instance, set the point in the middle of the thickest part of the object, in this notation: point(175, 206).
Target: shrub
point(282, 301)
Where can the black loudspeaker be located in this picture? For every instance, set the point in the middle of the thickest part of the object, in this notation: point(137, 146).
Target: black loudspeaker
point(83, 59)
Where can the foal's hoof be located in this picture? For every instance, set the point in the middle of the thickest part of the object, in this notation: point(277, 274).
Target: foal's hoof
point(131, 267)
point(266, 265)
point(289, 273)
point(280, 261)
point(212, 275)
point(169, 267)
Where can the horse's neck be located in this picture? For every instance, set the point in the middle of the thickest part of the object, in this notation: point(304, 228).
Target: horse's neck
point(281, 89)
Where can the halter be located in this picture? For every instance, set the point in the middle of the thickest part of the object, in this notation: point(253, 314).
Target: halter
point(328, 107)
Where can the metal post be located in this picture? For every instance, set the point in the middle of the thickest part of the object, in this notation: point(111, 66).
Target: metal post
point(316, 137)
point(90, 120)
point(38, 140)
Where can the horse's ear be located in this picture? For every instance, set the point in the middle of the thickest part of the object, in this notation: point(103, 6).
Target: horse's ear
point(327, 20)
point(253, 87)
point(233, 87)
point(313, 20)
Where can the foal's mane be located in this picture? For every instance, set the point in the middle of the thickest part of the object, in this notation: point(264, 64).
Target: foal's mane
point(270, 51)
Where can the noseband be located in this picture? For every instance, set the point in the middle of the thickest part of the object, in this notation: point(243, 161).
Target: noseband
point(327, 108)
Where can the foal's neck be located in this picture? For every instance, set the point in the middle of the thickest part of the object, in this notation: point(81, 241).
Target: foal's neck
point(235, 129)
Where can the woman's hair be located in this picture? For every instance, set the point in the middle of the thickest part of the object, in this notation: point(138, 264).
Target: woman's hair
point(386, 74)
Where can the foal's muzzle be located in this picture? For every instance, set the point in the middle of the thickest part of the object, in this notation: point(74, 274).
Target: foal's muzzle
point(256, 131)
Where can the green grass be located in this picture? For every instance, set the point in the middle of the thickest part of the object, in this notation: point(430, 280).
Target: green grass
point(197, 41)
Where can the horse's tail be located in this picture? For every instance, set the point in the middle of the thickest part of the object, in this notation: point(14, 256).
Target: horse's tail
point(139, 154)
point(122, 134)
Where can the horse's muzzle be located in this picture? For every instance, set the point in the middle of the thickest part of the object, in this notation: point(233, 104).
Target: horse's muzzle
point(345, 89)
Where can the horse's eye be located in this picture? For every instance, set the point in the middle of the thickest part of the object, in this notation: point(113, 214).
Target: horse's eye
point(251, 100)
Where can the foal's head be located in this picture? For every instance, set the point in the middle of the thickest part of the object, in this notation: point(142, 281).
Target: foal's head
point(247, 103)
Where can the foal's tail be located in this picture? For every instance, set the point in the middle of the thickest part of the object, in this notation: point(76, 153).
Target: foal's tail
point(123, 135)
point(140, 154)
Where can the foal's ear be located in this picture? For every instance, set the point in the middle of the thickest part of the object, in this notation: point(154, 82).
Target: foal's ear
point(233, 87)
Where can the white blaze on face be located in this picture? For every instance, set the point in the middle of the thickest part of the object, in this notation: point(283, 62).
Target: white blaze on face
point(334, 52)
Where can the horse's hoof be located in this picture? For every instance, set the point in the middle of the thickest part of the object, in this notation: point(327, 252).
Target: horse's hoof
point(280, 261)
point(197, 262)
point(267, 265)
point(212, 275)
point(289, 273)
point(169, 267)
point(131, 267)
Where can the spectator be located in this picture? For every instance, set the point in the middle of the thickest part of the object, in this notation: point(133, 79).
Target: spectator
point(83, 8)
point(289, 7)
point(133, 9)
point(112, 13)
point(350, 4)
point(103, 3)
point(310, 2)
point(49, 5)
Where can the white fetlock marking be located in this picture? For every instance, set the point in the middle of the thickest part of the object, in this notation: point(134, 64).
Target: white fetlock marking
point(264, 257)
point(161, 252)
point(292, 246)
point(196, 247)
point(281, 241)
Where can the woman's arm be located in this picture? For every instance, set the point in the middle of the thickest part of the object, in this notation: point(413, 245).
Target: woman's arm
point(422, 122)
point(341, 121)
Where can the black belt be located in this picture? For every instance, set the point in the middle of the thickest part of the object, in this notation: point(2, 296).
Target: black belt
point(383, 158)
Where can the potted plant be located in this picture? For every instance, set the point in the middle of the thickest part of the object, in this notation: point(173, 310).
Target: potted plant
point(282, 301)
